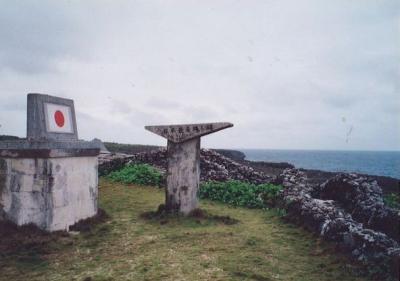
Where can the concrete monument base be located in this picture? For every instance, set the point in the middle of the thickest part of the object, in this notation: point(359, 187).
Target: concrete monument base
point(52, 188)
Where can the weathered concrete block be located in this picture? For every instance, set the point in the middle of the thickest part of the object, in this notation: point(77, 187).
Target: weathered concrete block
point(33, 166)
point(65, 193)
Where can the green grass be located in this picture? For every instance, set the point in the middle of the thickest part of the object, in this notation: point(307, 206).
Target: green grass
point(127, 247)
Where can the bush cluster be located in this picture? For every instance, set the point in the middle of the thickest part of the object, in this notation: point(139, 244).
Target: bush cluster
point(240, 193)
point(236, 193)
point(392, 200)
point(142, 174)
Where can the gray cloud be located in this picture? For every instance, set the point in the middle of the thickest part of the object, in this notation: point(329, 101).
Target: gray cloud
point(35, 34)
point(163, 104)
point(285, 72)
point(18, 104)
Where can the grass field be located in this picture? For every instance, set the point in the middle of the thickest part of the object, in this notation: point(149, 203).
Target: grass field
point(127, 247)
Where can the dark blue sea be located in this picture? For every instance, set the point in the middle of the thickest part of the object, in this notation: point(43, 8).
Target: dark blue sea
point(380, 163)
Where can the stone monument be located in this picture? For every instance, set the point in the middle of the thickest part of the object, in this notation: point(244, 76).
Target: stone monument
point(50, 178)
point(183, 152)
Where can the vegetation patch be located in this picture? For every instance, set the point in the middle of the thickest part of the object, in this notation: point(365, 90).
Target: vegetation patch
point(243, 194)
point(392, 200)
point(142, 174)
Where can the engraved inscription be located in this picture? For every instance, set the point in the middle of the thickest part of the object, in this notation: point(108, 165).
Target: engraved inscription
point(181, 133)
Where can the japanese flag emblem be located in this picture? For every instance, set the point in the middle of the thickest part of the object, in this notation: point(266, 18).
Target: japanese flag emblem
point(58, 118)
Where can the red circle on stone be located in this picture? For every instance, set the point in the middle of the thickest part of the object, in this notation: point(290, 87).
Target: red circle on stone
point(59, 117)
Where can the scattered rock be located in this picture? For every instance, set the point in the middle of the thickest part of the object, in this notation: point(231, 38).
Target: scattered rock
point(235, 155)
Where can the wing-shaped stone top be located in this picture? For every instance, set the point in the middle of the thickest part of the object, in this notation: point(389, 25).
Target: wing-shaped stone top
point(185, 132)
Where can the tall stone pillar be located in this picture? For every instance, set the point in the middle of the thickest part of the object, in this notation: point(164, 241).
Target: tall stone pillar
point(183, 172)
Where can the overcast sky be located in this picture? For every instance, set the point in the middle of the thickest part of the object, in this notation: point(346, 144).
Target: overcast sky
point(288, 74)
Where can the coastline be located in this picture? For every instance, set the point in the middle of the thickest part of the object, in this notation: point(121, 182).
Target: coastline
point(388, 184)
point(377, 163)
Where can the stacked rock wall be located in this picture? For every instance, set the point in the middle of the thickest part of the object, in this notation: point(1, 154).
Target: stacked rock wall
point(362, 198)
point(333, 222)
point(213, 165)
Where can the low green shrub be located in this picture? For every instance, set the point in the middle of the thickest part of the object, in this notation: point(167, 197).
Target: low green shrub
point(392, 200)
point(240, 193)
point(142, 174)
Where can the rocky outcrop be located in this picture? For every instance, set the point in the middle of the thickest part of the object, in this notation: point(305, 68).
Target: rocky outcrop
point(269, 168)
point(235, 155)
point(330, 220)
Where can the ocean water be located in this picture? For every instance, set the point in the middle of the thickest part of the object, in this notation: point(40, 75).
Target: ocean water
point(381, 163)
